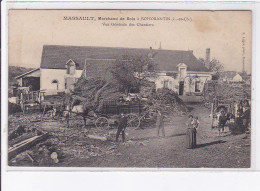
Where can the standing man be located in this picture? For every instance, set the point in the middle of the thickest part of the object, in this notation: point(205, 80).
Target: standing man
point(191, 133)
point(246, 116)
point(222, 122)
point(160, 123)
point(121, 127)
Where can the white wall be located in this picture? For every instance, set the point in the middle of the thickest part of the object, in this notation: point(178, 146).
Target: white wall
point(173, 84)
point(237, 78)
point(48, 75)
point(202, 78)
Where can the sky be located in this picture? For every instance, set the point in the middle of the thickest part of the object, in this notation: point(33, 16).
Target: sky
point(221, 31)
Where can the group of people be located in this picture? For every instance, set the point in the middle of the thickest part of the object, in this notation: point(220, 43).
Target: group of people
point(193, 122)
point(243, 117)
point(122, 124)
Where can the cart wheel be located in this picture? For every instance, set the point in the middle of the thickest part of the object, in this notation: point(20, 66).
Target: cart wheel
point(133, 121)
point(102, 122)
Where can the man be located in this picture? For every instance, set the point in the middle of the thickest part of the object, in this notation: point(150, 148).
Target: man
point(246, 116)
point(121, 127)
point(160, 124)
point(222, 121)
point(196, 123)
point(191, 133)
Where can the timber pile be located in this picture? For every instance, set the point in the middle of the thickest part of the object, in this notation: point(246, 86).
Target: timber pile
point(225, 91)
point(168, 101)
point(94, 91)
point(23, 138)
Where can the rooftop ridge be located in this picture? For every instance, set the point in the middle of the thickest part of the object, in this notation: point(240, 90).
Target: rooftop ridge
point(49, 45)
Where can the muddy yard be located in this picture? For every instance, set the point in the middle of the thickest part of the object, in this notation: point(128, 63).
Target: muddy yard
point(76, 147)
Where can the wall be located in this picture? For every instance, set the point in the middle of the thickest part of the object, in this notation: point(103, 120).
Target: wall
point(237, 78)
point(48, 75)
point(173, 83)
point(190, 87)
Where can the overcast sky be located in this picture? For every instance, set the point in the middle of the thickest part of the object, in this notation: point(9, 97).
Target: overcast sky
point(221, 31)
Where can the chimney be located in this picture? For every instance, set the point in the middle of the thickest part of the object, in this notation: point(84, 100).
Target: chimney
point(207, 59)
point(243, 66)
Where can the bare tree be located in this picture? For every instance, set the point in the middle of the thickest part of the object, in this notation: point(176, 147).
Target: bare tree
point(214, 65)
point(132, 71)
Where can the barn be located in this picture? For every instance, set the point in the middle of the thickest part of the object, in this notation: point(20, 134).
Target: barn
point(61, 66)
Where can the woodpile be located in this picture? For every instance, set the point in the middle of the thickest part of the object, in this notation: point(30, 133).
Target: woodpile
point(23, 138)
point(225, 91)
point(168, 101)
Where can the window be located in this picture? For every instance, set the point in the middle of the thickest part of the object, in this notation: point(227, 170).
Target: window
point(197, 86)
point(70, 68)
point(56, 82)
point(166, 84)
point(182, 71)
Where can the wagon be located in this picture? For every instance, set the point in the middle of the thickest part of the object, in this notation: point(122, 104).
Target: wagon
point(136, 112)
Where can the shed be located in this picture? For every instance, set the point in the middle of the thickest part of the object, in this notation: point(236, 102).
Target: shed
point(30, 79)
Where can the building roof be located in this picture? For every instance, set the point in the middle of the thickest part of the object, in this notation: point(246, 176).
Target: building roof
point(56, 56)
point(101, 69)
point(27, 73)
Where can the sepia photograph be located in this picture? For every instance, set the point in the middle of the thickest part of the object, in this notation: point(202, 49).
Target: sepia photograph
point(129, 88)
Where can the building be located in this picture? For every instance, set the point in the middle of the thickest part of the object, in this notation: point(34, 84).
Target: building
point(183, 81)
point(30, 79)
point(61, 66)
point(231, 76)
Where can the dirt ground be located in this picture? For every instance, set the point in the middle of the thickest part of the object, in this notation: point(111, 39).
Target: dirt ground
point(142, 149)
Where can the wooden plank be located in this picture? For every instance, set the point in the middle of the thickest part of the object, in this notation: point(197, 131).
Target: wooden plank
point(26, 144)
point(96, 137)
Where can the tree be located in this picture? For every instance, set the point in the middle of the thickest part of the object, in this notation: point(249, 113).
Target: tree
point(213, 66)
point(131, 71)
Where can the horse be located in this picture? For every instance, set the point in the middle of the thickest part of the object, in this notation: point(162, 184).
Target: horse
point(78, 107)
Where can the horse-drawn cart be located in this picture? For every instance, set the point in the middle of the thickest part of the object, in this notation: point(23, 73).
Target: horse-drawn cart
point(137, 112)
point(107, 115)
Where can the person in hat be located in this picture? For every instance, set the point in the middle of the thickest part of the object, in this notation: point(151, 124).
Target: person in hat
point(160, 123)
point(121, 126)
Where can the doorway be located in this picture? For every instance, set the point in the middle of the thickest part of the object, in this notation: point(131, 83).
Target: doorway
point(181, 87)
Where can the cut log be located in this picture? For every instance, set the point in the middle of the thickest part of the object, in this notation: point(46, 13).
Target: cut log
point(96, 137)
point(24, 145)
point(30, 157)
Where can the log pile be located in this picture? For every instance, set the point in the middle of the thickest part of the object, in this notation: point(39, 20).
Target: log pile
point(168, 101)
point(94, 91)
point(228, 92)
point(23, 138)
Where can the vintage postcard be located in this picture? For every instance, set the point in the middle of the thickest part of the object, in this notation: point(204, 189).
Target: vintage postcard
point(129, 88)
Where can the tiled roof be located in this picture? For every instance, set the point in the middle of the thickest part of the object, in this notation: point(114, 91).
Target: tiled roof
point(56, 56)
